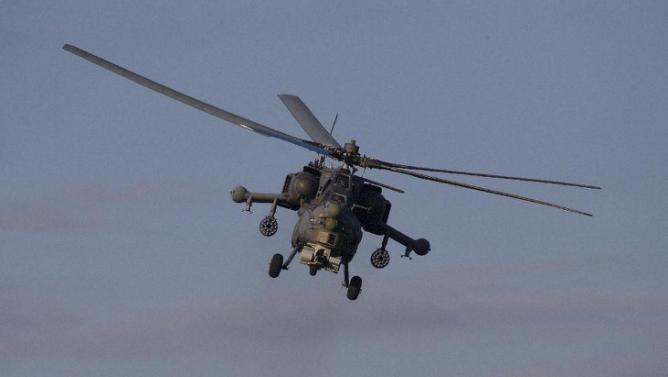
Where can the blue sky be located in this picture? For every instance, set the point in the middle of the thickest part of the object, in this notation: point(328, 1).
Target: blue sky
point(121, 253)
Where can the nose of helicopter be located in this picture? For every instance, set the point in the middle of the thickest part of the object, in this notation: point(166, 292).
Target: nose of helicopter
point(332, 210)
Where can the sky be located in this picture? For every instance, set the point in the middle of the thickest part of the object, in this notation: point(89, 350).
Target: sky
point(121, 253)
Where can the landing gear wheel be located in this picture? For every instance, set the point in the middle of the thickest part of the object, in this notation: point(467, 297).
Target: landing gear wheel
point(268, 226)
point(276, 265)
point(380, 258)
point(312, 270)
point(354, 288)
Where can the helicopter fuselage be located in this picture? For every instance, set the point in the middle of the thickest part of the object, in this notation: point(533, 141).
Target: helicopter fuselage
point(334, 207)
point(328, 232)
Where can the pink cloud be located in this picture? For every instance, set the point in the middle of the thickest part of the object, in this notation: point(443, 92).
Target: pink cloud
point(84, 206)
point(533, 372)
point(611, 367)
point(211, 326)
point(45, 218)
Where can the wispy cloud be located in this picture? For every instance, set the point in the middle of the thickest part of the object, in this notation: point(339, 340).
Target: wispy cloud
point(452, 306)
point(30, 324)
point(211, 326)
point(37, 218)
point(84, 206)
point(609, 367)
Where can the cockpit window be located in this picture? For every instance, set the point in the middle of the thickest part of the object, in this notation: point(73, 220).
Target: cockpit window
point(342, 180)
point(338, 198)
point(336, 187)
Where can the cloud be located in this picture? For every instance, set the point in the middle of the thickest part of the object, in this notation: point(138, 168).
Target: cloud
point(610, 367)
point(85, 206)
point(30, 325)
point(532, 372)
point(212, 326)
point(142, 193)
point(411, 308)
point(39, 218)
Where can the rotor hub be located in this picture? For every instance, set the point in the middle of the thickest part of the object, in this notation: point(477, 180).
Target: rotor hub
point(351, 148)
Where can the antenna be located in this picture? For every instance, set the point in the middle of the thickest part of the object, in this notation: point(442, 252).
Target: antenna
point(336, 117)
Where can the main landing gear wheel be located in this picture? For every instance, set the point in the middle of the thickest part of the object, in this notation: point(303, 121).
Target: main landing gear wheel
point(312, 270)
point(380, 258)
point(268, 226)
point(354, 288)
point(276, 265)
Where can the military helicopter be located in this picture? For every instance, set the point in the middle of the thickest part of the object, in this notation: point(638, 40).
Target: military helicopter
point(334, 204)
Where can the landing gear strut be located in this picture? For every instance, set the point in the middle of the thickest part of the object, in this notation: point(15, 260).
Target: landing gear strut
point(291, 256)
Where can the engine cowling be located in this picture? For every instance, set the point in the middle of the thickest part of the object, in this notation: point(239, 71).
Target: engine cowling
point(372, 209)
point(302, 185)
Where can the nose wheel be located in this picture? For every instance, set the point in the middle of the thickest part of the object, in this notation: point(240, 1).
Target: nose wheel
point(354, 285)
point(354, 288)
point(276, 265)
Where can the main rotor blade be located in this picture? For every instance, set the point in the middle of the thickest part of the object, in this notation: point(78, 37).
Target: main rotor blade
point(400, 191)
point(410, 167)
point(478, 188)
point(200, 105)
point(308, 121)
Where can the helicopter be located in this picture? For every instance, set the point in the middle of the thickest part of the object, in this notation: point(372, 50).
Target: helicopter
point(335, 206)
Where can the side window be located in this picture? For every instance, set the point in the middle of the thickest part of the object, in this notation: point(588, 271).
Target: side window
point(338, 198)
point(323, 188)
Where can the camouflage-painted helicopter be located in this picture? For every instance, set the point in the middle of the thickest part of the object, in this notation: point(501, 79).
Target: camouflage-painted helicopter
point(334, 205)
